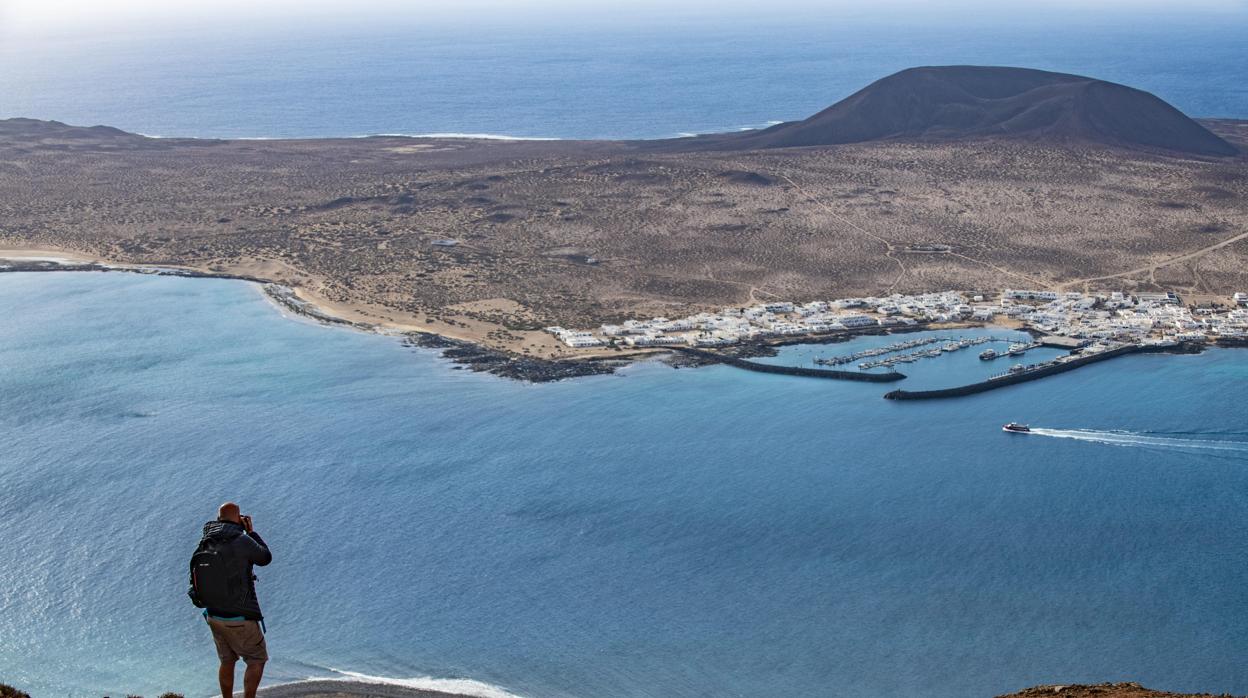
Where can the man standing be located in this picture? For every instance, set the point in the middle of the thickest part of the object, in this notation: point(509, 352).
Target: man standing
point(223, 585)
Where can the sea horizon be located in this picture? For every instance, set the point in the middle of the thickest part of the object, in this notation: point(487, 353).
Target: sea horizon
point(594, 82)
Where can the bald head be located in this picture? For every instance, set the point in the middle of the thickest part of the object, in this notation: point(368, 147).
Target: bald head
point(229, 512)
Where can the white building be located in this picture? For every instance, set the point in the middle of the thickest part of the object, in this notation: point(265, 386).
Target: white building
point(1030, 295)
point(851, 321)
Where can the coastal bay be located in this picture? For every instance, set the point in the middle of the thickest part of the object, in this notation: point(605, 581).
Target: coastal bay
point(565, 539)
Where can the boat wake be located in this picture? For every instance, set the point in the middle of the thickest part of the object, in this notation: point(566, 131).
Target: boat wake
point(1130, 438)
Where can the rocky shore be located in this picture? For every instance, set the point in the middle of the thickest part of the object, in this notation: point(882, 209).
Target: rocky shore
point(286, 298)
point(506, 365)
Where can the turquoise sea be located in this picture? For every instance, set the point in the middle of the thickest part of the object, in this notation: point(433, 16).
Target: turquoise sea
point(704, 532)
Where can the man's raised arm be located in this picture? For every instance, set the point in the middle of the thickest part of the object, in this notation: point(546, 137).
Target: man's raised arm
point(258, 551)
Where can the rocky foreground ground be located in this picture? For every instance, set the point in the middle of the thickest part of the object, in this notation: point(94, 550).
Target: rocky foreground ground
point(336, 689)
point(352, 689)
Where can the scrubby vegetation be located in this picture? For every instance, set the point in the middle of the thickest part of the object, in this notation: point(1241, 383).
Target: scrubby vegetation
point(470, 238)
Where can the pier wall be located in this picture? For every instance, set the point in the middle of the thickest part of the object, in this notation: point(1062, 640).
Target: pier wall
point(984, 386)
point(791, 370)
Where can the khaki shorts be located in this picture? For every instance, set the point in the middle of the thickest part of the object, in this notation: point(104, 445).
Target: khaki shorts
point(237, 639)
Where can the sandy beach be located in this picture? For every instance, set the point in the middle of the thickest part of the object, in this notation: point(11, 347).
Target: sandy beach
point(533, 343)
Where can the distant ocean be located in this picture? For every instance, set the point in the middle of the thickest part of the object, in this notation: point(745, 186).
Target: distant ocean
point(659, 533)
point(564, 82)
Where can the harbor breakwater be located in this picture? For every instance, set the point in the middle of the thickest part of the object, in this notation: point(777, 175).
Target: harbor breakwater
point(1034, 374)
point(791, 370)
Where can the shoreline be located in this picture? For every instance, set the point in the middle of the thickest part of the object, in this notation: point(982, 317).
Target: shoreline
point(466, 352)
point(356, 686)
point(332, 688)
point(463, 352)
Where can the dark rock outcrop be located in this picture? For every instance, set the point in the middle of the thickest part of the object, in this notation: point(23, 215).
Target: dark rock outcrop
point(1104, 690)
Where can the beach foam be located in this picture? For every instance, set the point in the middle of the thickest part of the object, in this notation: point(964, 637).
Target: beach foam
point(463, 687)
point(477, 136)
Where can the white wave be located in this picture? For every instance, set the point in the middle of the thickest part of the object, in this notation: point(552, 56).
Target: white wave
point(205, 138)
point(456, 134)
point(756, 127)
point(479, 136)
point(1129, 438)
point(461, 687)
point(714, 132)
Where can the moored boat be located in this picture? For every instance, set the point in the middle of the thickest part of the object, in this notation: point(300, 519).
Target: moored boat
point(987, 354)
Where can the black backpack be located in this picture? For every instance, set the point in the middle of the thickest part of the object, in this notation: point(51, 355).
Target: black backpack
point(217, 581)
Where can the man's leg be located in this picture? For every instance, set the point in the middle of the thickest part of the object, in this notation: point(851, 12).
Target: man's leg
point(251, 678)
point(225, 677)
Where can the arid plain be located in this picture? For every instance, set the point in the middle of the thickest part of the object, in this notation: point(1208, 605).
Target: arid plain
point(578, 233)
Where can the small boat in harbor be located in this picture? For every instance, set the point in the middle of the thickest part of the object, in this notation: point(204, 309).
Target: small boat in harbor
point(1017, 349)
point(988, 355)
point(1016, 428)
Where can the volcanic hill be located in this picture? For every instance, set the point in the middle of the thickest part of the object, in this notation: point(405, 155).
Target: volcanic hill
point(946, 103)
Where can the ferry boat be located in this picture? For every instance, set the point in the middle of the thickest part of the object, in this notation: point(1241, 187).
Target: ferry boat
point(1016, 428)
point(988, 355)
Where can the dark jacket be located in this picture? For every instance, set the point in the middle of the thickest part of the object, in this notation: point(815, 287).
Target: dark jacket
point(248, 549)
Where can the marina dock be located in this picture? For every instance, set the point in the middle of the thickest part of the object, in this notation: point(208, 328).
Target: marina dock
point(890, 354)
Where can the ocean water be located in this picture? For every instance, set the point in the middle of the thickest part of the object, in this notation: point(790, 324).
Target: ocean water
point(551, 79)
point(706, 532)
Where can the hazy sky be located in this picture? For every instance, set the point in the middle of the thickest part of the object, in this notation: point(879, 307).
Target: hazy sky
point(19, 17)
